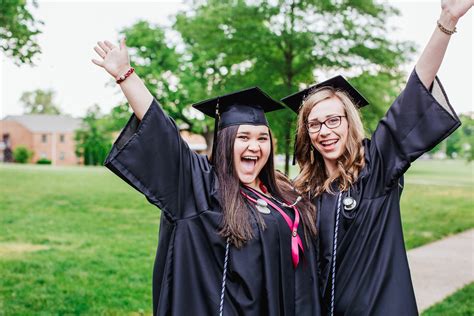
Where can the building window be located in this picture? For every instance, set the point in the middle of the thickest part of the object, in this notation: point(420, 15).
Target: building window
point(61, 138)
point(62, 155)
point(44, 138)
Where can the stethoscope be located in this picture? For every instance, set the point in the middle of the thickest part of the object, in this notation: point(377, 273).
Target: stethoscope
point(349, 202)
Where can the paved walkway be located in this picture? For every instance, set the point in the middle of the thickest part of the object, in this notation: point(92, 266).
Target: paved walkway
point(442, 267)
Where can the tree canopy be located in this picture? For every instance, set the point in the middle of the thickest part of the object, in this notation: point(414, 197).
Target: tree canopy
point(280, 46)
point(18, 30)
point(39, 102)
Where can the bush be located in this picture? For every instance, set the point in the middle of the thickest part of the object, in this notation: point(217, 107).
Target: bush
point(22, 154)
point(43, 161)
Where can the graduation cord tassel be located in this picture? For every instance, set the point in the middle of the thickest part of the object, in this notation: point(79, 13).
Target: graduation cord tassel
point(224, 276)
point(333, 277)
point(216, 127)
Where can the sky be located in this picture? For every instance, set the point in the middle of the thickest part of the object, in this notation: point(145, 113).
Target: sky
point(72, 28)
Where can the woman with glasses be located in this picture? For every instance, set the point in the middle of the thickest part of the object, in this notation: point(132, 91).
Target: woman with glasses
point(356, 183)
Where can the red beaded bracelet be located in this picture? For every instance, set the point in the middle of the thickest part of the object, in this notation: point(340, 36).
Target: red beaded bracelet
point(125, 75)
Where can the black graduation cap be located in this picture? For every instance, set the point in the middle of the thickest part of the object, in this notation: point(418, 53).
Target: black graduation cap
point(246, 106)
point(295, 100)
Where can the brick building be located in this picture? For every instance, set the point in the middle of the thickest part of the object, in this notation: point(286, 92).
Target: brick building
point(52, 137)
point(48, 136)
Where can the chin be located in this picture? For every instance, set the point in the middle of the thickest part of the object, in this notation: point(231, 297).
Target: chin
point(247, 179)
point(333, 157)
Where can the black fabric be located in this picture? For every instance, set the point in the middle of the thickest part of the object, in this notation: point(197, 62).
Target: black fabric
point(295, 101)
point(246, 106)
point(261, 279)
point(372, 273)
point(242, 114)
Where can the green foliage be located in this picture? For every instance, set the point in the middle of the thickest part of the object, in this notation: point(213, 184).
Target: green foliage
point(39, 102)
point(18, 30)
point(21, 154)
point(93, 140)
point(117, 118)
point(279, 46)
point(381, 90)
point(169, 75)
point(467, 137)
point(43, 161)
point(458, 304)
point(158, 64)
point(459, 144)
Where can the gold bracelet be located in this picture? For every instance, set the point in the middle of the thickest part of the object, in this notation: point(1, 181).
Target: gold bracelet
point(445, 30)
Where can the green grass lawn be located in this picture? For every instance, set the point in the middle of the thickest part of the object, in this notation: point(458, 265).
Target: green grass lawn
point(460, 303)
point(98, 235)
point(437, 200)
point(80, 241)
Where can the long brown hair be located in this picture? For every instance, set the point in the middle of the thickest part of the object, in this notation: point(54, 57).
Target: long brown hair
point(236, 216)
point(313, 178)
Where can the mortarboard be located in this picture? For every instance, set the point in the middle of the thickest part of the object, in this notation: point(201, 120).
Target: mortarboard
point(246, 106)
point(295, 100)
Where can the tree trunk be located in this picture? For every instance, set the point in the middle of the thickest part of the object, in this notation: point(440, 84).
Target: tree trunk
point(287, 148)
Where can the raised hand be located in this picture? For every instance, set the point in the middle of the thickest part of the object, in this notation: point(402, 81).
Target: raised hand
point(456, 8)
point(114, 59)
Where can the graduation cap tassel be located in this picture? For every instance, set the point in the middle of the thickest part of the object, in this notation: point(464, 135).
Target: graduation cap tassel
point(216, 127)
point(294, 149)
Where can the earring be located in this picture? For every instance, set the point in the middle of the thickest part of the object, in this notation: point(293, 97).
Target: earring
point(311, 155)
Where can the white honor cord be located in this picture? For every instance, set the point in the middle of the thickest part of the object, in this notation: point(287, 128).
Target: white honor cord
point(336, 229)
point(224, 275)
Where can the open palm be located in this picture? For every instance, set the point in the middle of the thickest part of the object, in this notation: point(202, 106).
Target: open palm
point(457, 8)
point(114, 59)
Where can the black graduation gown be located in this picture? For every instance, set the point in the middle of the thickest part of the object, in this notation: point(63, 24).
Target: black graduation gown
point(372, 273)
point(151, 156)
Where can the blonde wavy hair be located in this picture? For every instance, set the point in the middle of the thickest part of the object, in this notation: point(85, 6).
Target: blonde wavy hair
point(313, 178)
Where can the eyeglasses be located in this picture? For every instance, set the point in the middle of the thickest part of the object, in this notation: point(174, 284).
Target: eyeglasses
point(331, 123)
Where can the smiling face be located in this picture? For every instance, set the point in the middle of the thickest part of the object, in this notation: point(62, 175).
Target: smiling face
point(252, 148)
point(330, 143)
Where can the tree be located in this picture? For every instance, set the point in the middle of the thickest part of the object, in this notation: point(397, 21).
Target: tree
point(21, 154)
point(117, 118)
point(284, 44)
point(93, 142)
point(169, 75)
point(39, 102)
point(468, 136)
point(277, 45)
point(18, 30)
point(460, 144)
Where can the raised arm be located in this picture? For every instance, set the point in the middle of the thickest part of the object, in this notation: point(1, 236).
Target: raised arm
point(430, 60)
point(115, 60)
point(150, 154)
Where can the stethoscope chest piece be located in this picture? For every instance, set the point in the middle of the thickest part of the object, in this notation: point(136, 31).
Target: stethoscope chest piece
point(349, 203)
point(262, 206)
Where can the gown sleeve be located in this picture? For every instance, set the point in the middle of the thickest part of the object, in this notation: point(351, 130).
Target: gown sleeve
point(151, 156)
point(416, 122)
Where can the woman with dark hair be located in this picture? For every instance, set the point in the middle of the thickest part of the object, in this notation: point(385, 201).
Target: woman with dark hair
point(235, 239)
point(356, 183)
